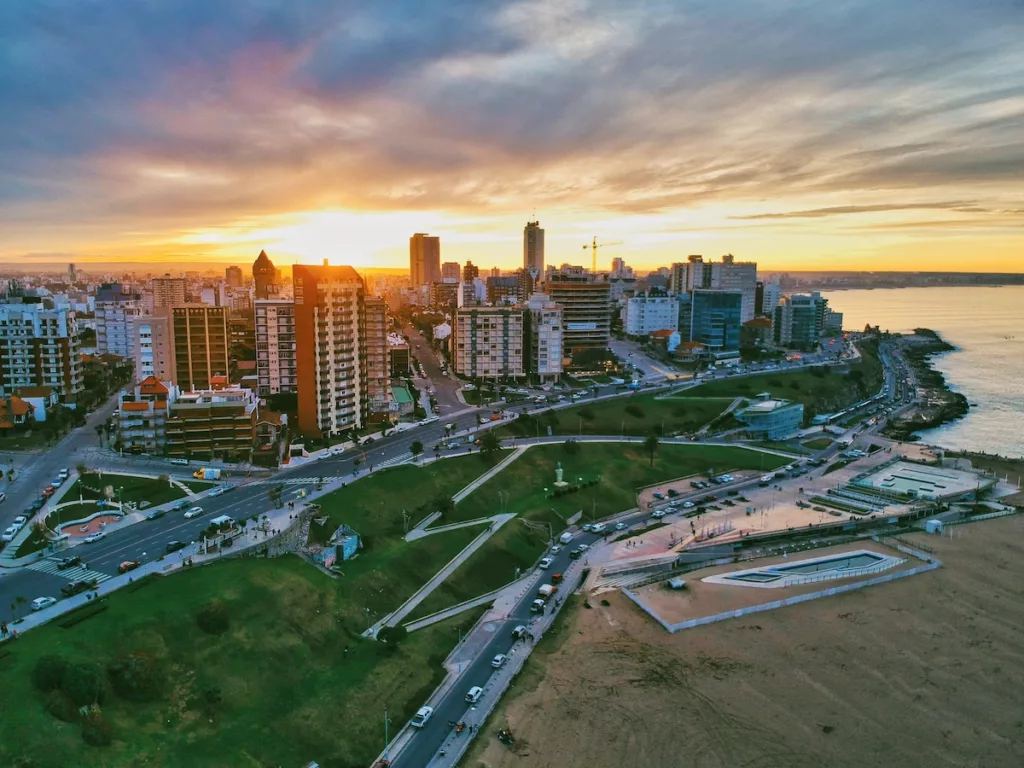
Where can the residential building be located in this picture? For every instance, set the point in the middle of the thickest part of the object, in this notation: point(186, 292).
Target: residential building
point(378, 366)
point(833, 323)
point(154, 350)
point(495, 272)
point(800, 321)
point(212, 423)
point(732, 275)
point(756, 333)
point(488, 342)
point(533, 249)
point(647, 312)
point(502, 290)
point(331, 354)
point(39, 348)
point(716, 319)
point(275, 346)
point(545, 336)
point(666, 339)
point(41, 399)
point(15, 414)
point(526, 281)
point(398, 353)
point(143, 413)
point(450, 270)
point(771, 419)
point(424, 259)
point(770, 298)
point(586, 307)
point(199, 338)
point(167, 291)
point(445, 295)
point(233, 276)
point(688, 275)
point(116, 314)
point(264, 275)
point(470, 272)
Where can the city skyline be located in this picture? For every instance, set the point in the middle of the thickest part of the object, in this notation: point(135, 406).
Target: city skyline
point(802, 137)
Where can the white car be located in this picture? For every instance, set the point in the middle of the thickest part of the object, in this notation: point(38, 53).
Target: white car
point(582, 548)
point(94, 537)
point(598, 528)
point(421, 717)
point(658, 513)
point(688, 504)
point(20, 521)
point(193, 512)
point(474, 694)
point(588, 527)
point(499, 661)
point(9, 534)
point(556, 549)
point(218, 491)
point(620, 526)
point(65, 473)
point(545, 563)
point(57, 482)
point(43, 602)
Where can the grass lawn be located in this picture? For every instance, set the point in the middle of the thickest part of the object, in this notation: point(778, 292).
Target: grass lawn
point(820, 389)
point(623, 469)
point(126, 488)
point(818, 443)
point(30, 440)
point(636, 416)
point(274, 689)
point(776, 445)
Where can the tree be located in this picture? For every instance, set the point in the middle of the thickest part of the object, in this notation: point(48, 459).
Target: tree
point(83, 683)
point(651, 445)
point(213, 618)
point(392, 635)
point(489, 442)
point(17, 605)
point(137, 676)
point(48, 672)
point(416, 448)
point(97, 731)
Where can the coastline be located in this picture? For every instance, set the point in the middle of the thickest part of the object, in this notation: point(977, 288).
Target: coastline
point(942, 403)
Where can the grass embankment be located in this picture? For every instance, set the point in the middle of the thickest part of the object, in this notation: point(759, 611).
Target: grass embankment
point(520, 488)
point(126, 488)
point(632, 416)
point(275, 688)
point(818, 443)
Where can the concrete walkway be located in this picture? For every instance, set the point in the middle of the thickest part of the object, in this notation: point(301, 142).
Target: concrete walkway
point(421, 530)
point(491, 473)
point(421, 594)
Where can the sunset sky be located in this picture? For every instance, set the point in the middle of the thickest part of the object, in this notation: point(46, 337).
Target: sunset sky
point(884, 134)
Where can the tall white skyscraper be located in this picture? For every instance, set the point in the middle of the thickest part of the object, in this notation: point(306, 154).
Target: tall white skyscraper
point(533, 248)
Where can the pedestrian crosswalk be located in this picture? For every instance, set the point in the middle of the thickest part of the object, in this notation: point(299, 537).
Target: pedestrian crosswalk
point(327, 479)
point(75, 573)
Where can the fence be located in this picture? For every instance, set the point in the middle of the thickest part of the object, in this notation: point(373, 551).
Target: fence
point(987, 516)
point(931, 564)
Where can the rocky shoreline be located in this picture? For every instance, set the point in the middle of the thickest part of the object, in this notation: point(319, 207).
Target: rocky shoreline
point(941, 404)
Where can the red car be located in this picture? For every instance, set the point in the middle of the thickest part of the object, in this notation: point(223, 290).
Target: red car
point(556, 578)
point(48, 491)
point(128, 565)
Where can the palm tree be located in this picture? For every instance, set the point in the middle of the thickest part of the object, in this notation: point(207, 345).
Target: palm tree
point(16, 606)
point(651, 445)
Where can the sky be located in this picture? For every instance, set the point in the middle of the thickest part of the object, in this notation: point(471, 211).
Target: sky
point(840, 135)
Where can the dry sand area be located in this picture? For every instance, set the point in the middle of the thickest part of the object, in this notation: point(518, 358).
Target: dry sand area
point(925, 671)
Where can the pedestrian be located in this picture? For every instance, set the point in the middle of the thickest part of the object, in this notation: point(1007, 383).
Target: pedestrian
point(3, 629)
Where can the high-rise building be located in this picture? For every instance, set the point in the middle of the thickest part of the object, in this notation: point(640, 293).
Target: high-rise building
point(770, 298)
point(264, 276)
point(72, 276)
point(378, 365)
point(488, 342)
point(331, 356)
point(533, 248)
point(39, 348)
point(445, 295)
point(116, 314)
point(142, 415)
point(450, 270)
point(715, 320)
point(200, 342)
point(275, 346)
point(213, 423)
point(586, 307)
point(732, 275)
point(502, 289)
point(800, 320)
point(233, 276)
point(470, 272)
point(526, 281)
point(495, 272)
point(154, 350)
point(168, 291)
point(646, 313)
point(424, 259)
point(544, 336)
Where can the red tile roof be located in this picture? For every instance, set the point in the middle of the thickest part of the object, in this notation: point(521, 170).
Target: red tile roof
point(151, 385)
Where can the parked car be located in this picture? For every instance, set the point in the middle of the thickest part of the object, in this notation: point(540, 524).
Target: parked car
point(193, 512)
point(68, 562)
point(672, 492)
point(57, 482)
point(19, 521)
point(174, 546)
point(65, 473)
point(218, 491)
point(47, 492)
point(556, 549)
point(77, 587)
point(421, 717)
point(587, 527)
point(156, 514)
point(9, 534)
point(658, 514)
point(43, 602)
point(128, 565)
point(517, 633)
point(473, 694)
point(181, 505)
point(598, 528)
point(688, 504)
point(545, 563)
point(94, 537)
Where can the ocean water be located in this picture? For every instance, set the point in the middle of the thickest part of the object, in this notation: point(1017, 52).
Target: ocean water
point(987, 327)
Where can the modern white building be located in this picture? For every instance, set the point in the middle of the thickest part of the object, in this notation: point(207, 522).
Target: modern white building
point(545, 336)
point(116, 314)
point(646, 313)
point(770, 298)
point(39, 348)
point(275, 346)
point(154, 353)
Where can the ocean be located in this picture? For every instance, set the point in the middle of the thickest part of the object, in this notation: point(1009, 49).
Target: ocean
point(987, 327)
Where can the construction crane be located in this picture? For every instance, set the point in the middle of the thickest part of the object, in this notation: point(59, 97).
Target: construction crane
point(593, 247)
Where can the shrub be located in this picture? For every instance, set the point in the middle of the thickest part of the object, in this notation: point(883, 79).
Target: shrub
point(635, 410)
point(60, 705)
point(392, 635)
point(136, 677)
point(48, 673)
point(97, 731)
point(83, 683)
point(213, 618)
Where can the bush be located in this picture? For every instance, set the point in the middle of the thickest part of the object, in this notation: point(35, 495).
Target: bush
point(136, 677)
point(97, 731)
point(392, 635)
point(83, 683)
point(635, 411)
point(60, 705)
point(213, 618)
point(49, 671)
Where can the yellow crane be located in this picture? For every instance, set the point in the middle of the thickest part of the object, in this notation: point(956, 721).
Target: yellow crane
point(593, 248)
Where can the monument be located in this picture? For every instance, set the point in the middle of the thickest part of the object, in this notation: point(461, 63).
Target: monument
point(559, 482)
